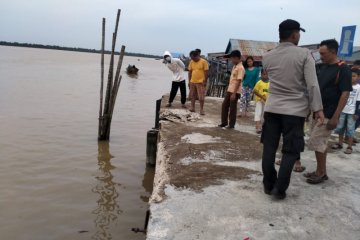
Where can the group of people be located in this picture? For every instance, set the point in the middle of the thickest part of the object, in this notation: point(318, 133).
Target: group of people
point(198, 74)
point(244, 83)
point(291, 89)
point(298, 90)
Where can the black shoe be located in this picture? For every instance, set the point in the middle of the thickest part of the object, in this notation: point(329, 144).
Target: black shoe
point(229, 127)
point(267, 191)
point(222, 125)
point(277, 194)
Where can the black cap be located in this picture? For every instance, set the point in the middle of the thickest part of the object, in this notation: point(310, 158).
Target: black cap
point(234, 53)
point(290, 24)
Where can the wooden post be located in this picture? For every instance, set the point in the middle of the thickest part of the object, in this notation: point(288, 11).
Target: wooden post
point(151, 146)
point(102, 77)
point(113, 84)
point(115, 89)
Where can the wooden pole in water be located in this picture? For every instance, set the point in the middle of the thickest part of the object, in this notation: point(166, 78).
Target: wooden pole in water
point(110, 78)
point(102, 77)
point(112, 87)
point(115, 88)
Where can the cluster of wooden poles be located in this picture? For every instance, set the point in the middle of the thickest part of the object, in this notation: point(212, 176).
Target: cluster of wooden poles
point(113, 83)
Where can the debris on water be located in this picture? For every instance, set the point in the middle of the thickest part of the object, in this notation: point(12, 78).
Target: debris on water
point(83, 231)
point(271, 225)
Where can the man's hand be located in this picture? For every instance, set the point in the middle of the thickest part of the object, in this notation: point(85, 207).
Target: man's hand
point(331, 125)
point(355, 117)
point(233, 97)
point(319, 118)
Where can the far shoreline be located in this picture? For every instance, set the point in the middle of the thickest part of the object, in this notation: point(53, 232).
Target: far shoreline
point(72, 49)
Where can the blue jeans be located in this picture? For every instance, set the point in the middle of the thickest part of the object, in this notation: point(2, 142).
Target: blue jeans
point(346, 122)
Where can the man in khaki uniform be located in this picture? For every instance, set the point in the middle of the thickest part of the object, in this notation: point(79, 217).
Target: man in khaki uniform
point(293, 89)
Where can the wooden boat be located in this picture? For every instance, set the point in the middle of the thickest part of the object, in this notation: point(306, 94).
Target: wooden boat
point(132, 69)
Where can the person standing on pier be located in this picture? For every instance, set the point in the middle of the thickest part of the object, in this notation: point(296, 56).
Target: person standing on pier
point(261, 91)
point(251, 78)
point(177, 67)
point(335, 86)
point(198, 75)
point(229, 106)
point(293, 89)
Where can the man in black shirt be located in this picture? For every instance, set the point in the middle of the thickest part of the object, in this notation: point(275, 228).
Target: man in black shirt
point(335, 85)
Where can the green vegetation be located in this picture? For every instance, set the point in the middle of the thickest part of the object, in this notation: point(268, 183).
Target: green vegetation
point(30, 45)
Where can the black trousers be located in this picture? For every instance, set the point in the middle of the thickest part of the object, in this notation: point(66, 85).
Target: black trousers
point(229, 110)
point(292, 130)
point(174, 88)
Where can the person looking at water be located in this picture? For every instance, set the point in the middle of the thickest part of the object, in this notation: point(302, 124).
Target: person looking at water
point(177, 67)
point(293, 90)
point(198, 75)
point(251, 78)
point(229, 106)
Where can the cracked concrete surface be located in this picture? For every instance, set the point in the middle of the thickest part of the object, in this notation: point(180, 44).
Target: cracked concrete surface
point(208, 185)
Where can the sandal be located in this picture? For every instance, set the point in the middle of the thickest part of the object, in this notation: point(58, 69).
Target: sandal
point(348, 150)
point(278, 162)
point(313, 174)
point(309, 174)
point(336, 146)
point(316, 179)
point(192, 110)
point(299, 169)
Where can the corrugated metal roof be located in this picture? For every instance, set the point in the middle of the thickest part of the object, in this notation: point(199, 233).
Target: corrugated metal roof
point(250, 47)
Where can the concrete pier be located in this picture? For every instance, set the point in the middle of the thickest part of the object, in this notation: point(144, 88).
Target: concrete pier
point(208, 185)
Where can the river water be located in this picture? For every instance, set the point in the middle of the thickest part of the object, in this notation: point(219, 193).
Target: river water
point(56, 180)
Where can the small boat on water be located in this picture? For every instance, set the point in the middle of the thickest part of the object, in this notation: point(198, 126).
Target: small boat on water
point(132, 69)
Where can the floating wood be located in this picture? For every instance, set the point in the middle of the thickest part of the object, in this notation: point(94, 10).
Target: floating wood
point(113, 84)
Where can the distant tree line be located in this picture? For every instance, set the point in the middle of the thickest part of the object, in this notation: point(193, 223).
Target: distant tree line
point(31, 45)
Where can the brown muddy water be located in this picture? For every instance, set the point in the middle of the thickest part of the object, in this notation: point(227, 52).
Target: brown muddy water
point(56, 180)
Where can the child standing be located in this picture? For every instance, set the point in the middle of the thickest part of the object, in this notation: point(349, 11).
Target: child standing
point(229, 106)
point(349, 116)
point(260, 91)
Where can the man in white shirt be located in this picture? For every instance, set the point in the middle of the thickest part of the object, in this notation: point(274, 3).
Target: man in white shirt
point(177, 67)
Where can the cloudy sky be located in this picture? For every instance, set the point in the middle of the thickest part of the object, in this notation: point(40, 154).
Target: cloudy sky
point(152, 26)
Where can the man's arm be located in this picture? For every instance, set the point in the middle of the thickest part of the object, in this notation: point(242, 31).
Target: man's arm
point(189, 72)
point(357, 111)
point(345, 86)
point(335, 118)
point(233, 95)
point(313, 89)
point(180, 63)
point(189, 76)
point(206, 76)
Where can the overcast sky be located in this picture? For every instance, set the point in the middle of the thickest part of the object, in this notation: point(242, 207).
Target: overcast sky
point(152, 26)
